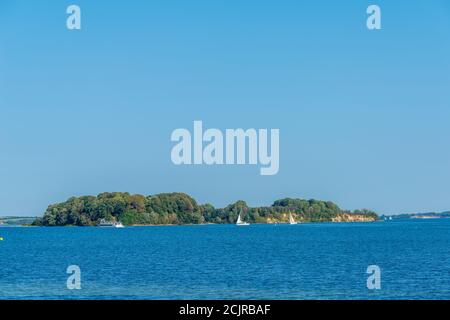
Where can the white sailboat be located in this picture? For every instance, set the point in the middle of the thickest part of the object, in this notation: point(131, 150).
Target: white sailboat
point(291, 219)
point(239, 221)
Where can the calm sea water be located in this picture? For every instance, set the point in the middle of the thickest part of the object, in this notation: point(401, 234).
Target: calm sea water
point(308, 261)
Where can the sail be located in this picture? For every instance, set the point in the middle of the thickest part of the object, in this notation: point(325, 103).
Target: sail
point(291, 219)
point(239, 221)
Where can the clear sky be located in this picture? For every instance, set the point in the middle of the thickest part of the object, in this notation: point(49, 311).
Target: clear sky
point(363, 115)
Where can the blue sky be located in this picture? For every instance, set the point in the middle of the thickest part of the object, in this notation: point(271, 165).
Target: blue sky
point(363, 115)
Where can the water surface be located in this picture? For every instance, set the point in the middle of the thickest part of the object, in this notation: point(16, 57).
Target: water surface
point(305, 261)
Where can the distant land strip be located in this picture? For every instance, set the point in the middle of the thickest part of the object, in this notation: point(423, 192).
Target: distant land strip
point(15, 221)
point(426, 215)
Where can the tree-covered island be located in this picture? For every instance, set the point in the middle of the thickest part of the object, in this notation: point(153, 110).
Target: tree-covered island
point(180, 208)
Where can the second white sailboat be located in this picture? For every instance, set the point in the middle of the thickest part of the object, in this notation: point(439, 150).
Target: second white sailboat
point(239, 221)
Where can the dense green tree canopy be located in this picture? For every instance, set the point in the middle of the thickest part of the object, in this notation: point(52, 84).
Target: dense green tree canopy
point(180, 208)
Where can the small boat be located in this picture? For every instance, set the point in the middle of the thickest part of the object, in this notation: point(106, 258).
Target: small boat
point(291, 219)
point(110, 224)
point(239, 221)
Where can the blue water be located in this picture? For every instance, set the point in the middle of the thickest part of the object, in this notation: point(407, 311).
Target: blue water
point(308, 261)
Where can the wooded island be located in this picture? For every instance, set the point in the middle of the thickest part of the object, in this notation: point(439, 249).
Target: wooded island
point(180, 208)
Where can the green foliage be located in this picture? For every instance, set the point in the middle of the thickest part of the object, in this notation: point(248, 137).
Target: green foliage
point(180, 208)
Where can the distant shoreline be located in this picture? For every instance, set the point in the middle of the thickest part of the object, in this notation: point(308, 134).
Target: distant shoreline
point(189, 225)
point(224, 224)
